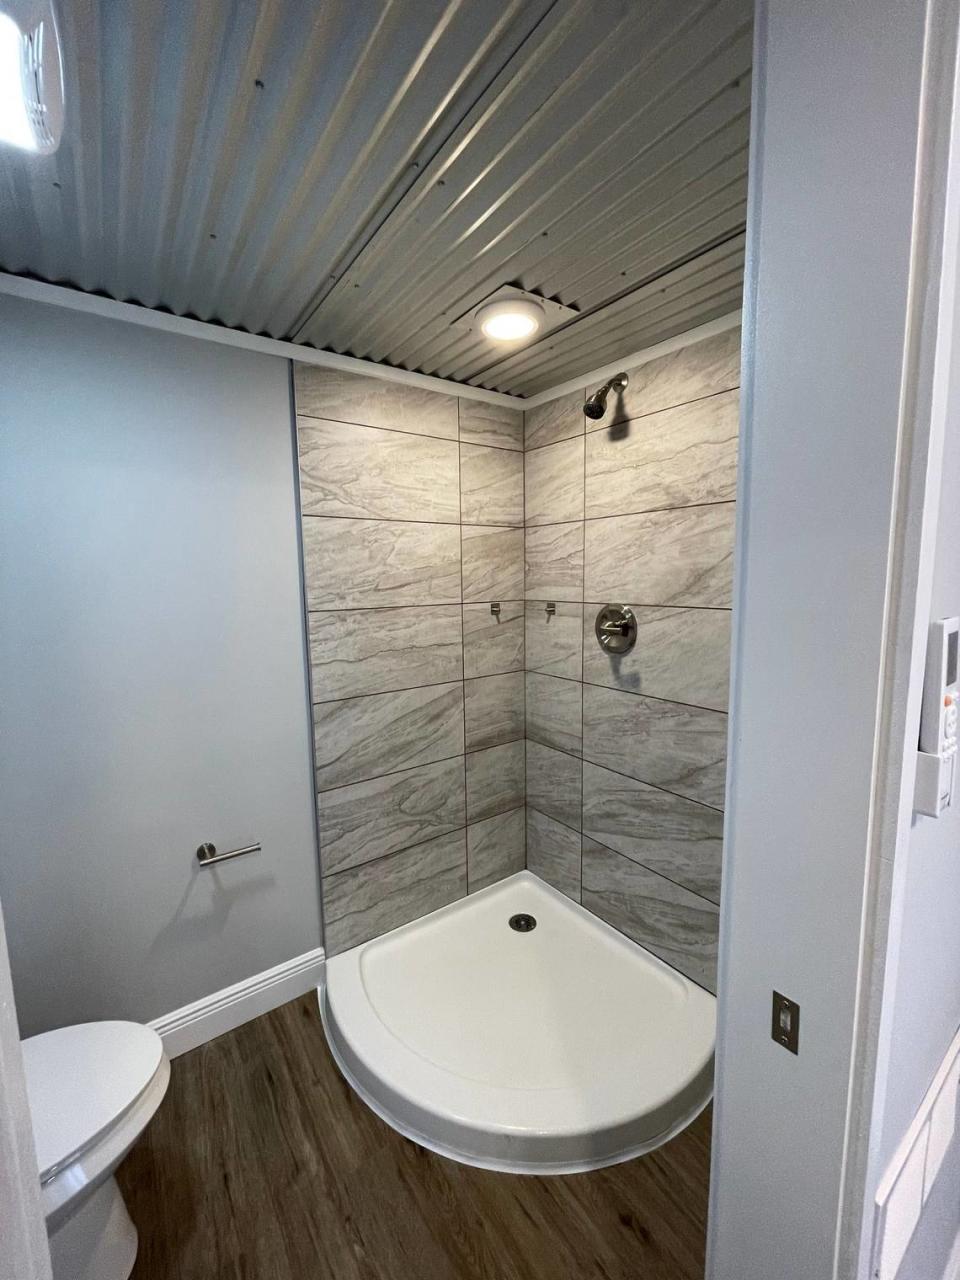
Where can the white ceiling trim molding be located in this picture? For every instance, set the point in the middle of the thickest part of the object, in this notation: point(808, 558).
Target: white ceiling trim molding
point(606, 371)
point(94, 304)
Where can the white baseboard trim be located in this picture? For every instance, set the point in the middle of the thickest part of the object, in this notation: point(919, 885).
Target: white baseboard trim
point(193, 1025)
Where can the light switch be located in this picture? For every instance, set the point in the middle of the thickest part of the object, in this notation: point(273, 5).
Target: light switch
point(786, 1022)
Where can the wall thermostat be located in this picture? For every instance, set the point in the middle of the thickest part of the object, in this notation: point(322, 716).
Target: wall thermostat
point(936, 763)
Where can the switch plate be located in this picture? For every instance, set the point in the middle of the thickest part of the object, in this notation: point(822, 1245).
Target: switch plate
point(785, 1027)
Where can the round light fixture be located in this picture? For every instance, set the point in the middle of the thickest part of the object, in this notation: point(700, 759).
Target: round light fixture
point(31, 76)
point(510, 320)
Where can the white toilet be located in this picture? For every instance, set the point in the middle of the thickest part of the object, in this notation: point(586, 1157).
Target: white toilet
point(93, 1089)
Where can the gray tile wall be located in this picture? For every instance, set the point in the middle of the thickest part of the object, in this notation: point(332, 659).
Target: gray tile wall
point(626, 757)
point(454, 746)
point(413, 513)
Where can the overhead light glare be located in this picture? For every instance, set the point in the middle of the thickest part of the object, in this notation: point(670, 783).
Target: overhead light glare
point(31, 79)
point(511, 320)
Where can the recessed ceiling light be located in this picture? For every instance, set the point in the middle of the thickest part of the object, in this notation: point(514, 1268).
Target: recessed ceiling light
point(510, 320)
point(31, 78)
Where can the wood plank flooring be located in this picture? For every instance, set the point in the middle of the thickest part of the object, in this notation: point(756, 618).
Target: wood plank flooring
point(262, 1164)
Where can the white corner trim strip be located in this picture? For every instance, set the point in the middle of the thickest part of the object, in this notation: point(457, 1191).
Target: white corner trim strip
point(605, 371)
point(187, 1028)
point(91, 303)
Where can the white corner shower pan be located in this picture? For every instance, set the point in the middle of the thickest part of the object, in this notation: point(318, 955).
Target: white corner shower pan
point(560, 1049)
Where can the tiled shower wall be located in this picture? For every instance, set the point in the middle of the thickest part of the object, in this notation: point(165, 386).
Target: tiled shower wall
point(412, 506)
point(626, 757)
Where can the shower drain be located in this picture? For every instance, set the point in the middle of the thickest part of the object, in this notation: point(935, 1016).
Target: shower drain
point(523, 923)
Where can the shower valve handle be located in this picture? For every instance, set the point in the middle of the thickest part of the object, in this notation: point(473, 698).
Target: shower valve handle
point(616, 629)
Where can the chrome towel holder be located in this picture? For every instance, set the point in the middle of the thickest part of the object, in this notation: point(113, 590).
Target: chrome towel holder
point(207, 853)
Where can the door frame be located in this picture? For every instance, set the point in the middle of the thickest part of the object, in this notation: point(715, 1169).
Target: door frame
point(860, 84)
point(25, 1254)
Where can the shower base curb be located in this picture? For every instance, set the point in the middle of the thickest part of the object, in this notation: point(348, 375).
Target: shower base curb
point(405, 1089)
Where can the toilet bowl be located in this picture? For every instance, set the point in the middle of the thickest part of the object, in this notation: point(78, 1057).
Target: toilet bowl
point(93, 1089)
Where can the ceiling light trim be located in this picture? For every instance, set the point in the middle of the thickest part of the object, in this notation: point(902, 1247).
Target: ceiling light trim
point(553, 315)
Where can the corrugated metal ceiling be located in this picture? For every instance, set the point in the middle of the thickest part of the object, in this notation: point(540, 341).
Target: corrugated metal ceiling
point(355, 174)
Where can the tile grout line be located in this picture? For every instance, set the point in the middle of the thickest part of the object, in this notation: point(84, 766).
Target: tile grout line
point(621, 515)
point(583, 591)
point(463, 662)
point(447, 524)
point(533, 524)
point(613, 688)
point(418, 844)
point(585, 760)
point(452, 604)
point(626, 856)
point(437, 684)
point(651, 413)
point(430, 605)
point(402, 431)
point(523, 664)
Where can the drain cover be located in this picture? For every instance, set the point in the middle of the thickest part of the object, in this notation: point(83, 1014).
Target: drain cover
point(523, 923)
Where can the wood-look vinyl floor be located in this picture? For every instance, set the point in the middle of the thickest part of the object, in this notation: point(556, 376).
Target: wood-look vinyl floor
point(262, 1164)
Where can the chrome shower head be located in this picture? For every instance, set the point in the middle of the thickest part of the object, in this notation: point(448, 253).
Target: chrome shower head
point(596, 405)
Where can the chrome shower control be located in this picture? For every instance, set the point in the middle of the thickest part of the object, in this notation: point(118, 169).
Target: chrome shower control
point(616, 628)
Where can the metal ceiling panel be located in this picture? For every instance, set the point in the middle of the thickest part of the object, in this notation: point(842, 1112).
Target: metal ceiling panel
point(354, 174)
point(707, 287)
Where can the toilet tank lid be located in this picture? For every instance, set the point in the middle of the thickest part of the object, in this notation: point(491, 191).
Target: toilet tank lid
point(80, 1082)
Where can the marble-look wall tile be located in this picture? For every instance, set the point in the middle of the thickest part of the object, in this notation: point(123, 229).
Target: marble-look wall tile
point(357, 564)
point(365, 901)
point(553, 483)
point(373, 402)
point(496, 848)
point(675, 924)
point(554, 641)
point(553, 783)
point(676, 557)
point(376, 650)
point(412, 506)
point(679, 748)
point(678, 838)
point(368, 820)
point(491, 424)
point(558, 419)
point(492, 563)
point(491, 485)
point(554, 712)
point(492, 643)
point(494, 781)
point(680, 654)
point(673, 458)
point(554, 562)
point(493, 710)
point(553, 853)
point(369, 473)
point(690, 373)
point(360, 738)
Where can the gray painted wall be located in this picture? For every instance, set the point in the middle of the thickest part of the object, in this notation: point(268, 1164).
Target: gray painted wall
point(152, 673)
point(626, 755)
point(412, 508)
